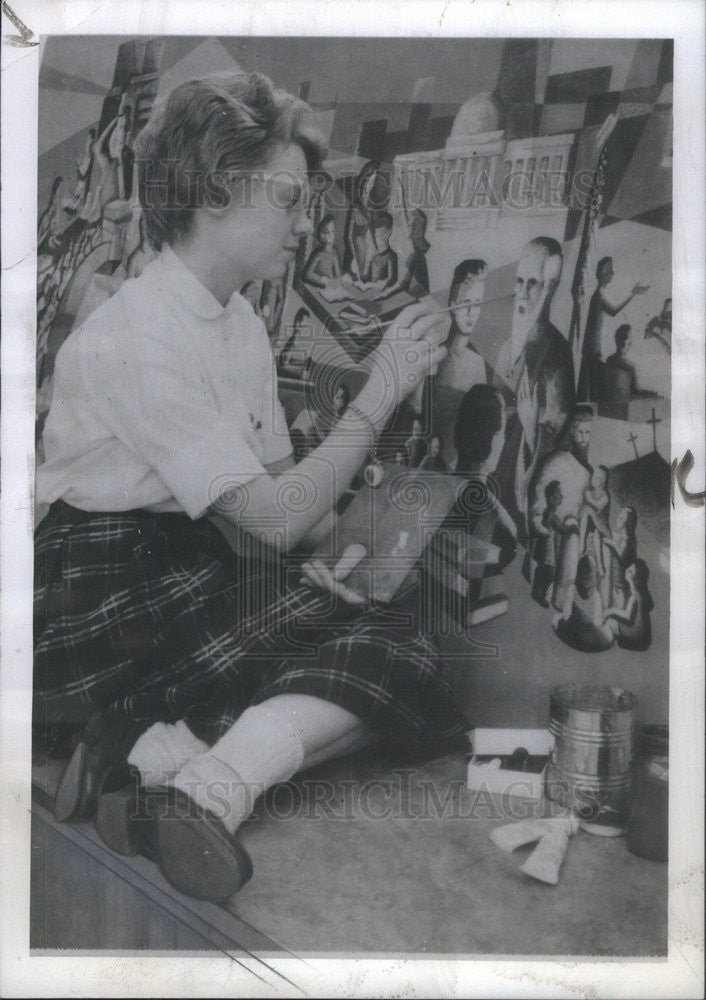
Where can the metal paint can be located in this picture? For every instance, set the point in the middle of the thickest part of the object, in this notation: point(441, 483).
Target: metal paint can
point(589, 768)
point(648, 819)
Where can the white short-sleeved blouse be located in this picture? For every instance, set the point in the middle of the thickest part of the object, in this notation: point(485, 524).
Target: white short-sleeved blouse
point(162, 399)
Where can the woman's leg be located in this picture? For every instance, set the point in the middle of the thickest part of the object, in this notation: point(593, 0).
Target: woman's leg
point(354, 740)
point(165, 748)
point(268, 744)
point(316, 722)
point(367, 673)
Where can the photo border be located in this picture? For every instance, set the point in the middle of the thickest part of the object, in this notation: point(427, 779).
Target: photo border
point(170, 975)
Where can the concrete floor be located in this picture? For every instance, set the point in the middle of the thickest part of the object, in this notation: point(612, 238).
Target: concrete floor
point(372, 855)
point(378, 855)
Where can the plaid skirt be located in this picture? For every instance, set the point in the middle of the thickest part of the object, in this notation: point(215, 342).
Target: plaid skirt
point(153, 617)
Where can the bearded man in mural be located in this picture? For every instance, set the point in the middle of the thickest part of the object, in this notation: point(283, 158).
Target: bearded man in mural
point(535, 363)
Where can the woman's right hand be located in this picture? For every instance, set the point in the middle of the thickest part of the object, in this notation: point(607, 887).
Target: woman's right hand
point(410, 349)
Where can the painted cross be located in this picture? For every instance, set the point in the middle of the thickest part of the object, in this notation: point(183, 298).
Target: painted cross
point(654, 421)
point(632, 438)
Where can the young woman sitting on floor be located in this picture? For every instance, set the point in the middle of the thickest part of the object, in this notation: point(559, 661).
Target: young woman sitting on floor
point(212, 674)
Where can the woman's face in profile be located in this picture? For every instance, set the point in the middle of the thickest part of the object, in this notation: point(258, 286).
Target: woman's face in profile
point(261, 238)
point(467, 304)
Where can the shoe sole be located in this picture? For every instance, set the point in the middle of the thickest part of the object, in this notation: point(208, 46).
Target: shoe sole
point(114, 821)
point(197, 860)
point(68, 795)
point(193, 853)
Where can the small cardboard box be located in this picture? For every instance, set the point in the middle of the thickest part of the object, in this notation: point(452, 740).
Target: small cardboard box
point(523, 755)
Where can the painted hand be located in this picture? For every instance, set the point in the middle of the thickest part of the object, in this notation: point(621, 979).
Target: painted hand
point(528, 409)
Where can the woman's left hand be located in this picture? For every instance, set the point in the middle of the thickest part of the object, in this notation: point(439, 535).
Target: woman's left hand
point(318, 574)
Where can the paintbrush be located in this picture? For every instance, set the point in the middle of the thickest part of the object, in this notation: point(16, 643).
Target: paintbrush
point(357, 330)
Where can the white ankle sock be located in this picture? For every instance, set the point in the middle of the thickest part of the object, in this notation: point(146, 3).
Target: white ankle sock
point(162, 750)
point(260, 750)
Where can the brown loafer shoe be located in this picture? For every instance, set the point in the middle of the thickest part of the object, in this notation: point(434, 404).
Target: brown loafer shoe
point(193, 849)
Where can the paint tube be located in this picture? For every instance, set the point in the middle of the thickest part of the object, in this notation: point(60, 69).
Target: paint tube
point(514, 835)
point(545, 861)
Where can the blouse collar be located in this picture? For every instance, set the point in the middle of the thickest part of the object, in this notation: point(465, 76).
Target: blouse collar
point(190, 291)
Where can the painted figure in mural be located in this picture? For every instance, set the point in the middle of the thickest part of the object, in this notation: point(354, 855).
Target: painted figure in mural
point(52, 221)
point(251, 293)
point(620, 362)
point(138, 252)
point(433, 461)
point(536, 363)
point(323, 265)
point(632, 624)
point(312, 426)
point(623, 547)
point(580, 434)
point(117, 141)
point(107, 188)
point(358, 234)
point(415, 276)
point(109, 152)
point(566, 561)
point(582, 625)
point(594, 516)
point(415, 445)
point(600, 306)
point(479, 433)
point(479, 436)
point(165, 417)
point(464, 366)
point(542, 545)
point(272, 301)
point(570, 466)
point(295, 356)
point(660, 327)
point(381, 273)
point(84, 167)
point(547, 540)
point(326, 418)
